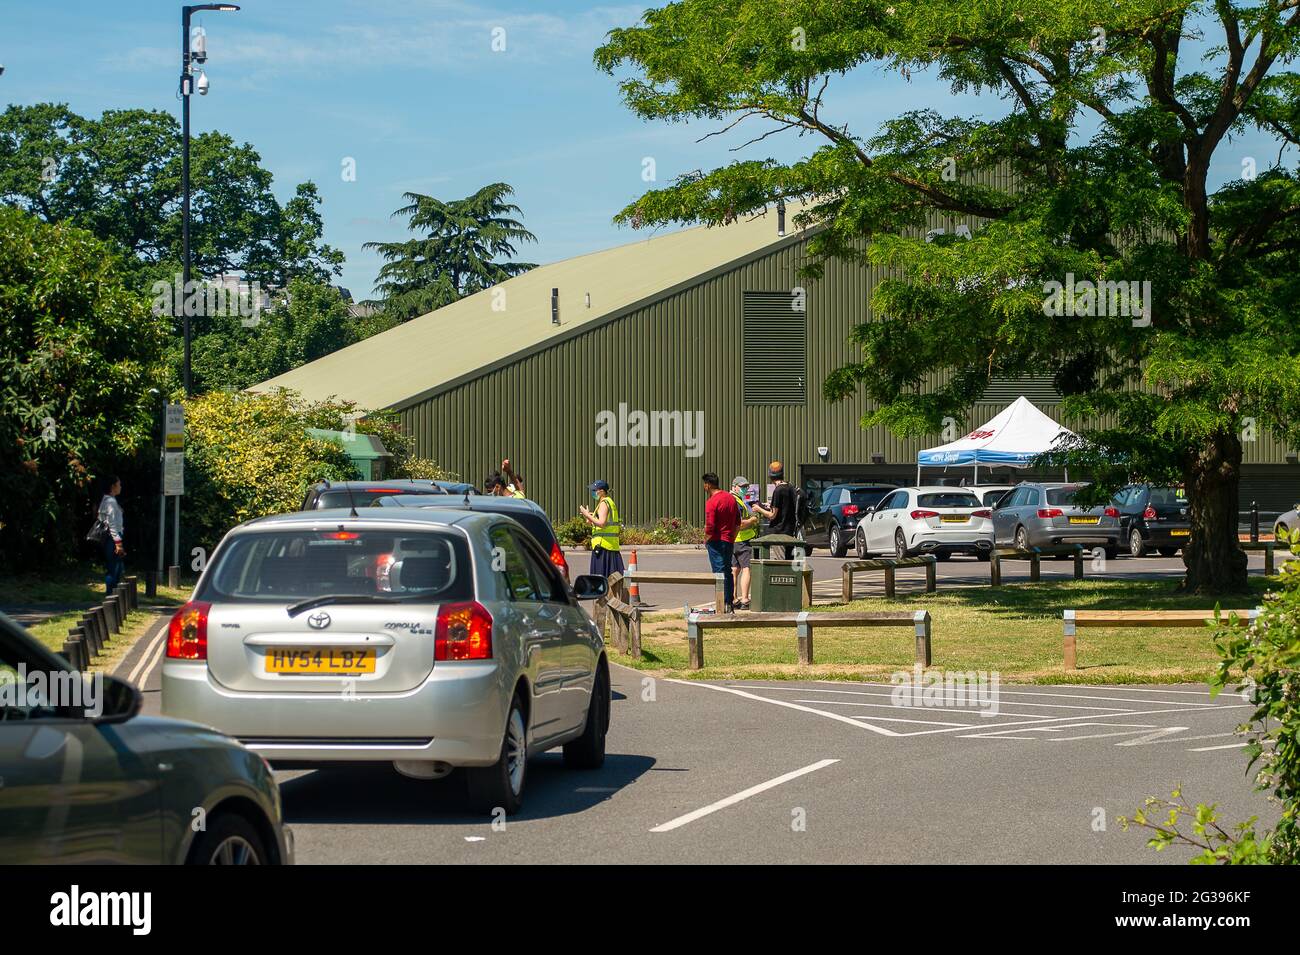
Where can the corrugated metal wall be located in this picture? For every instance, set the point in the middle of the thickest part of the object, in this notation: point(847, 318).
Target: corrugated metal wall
point(681, 354)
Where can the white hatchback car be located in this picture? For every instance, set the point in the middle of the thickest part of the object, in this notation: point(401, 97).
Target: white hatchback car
point(927, 520)
point(430, 639)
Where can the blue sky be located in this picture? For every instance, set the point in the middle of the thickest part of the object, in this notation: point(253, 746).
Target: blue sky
point(414, 93)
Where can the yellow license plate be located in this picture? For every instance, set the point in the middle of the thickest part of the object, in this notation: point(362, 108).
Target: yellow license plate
point(953, 519)
point(1180, 533)
point(319, 660)
point(1085, 520)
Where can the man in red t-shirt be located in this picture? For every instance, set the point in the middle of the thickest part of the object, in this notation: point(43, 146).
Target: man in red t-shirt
point(721, 520)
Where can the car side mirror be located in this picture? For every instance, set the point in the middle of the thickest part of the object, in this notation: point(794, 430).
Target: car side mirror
point(870, 510)
point(117, 702)
point(590, 586)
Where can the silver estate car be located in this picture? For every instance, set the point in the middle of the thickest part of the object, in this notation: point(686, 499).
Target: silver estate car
point(427, 638)
point(926, 520)
point(1040, 515)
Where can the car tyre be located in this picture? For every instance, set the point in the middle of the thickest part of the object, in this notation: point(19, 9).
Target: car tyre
point(837, 543)
point(501, 785)
point(588, 750)
point(229, 840)
point(860, 545)
point(1022, 539)
point(900, 544)
point(1137, 547)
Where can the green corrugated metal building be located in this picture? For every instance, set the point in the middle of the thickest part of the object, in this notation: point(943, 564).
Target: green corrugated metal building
point(707, 328)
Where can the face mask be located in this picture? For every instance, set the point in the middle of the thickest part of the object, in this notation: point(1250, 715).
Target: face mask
point(595, 496)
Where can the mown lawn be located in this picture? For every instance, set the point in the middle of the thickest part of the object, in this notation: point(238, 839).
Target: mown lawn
point(1014, 630)
point(82, 588)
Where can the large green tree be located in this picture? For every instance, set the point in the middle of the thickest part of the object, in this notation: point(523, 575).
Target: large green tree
point(79, 351)
point(1098, 166)
point(455, 253)
point(119, 176)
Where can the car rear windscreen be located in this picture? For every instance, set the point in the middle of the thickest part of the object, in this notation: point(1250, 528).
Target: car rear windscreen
point(536, 525)
point(948, 499)
point(293, 565)
point(1168, 497)
point(1061, 496)
point(992, 497)
point(363, 496)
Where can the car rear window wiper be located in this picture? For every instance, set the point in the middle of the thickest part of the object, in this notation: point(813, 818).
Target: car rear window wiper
point(313, 602)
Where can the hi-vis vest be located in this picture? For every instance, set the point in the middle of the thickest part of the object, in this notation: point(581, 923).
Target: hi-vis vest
point(745, 533)
point(607, 537)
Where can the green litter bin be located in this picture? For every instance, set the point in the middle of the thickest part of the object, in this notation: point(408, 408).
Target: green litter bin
point(777, 586)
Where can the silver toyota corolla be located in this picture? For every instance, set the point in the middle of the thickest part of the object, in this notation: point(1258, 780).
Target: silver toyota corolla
point(432, 639)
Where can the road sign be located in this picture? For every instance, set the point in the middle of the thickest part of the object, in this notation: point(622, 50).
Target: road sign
point(174, 431)
point(174, 474)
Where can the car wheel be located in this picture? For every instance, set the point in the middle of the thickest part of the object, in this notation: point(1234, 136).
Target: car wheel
point(1168, 551)
point(860, 545)
point(229, 840)
point(1136, 545)
point(1022, 539)
point(501, 785)
point(837, 543)
point(588, 750)
point(900, 544)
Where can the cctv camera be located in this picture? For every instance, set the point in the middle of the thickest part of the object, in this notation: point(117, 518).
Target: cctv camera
point(202, 84)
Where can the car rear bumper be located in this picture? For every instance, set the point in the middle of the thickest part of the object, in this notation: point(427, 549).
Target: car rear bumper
point(1167, 535)
point(956, 541)
point(457, 716)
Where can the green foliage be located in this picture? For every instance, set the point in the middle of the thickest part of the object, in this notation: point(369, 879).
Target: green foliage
point(456, 254)
point(119, 176)
point(574, 532)
point(78, 353)
point(1265, 661)
point(307, 322)
point(1097, 168)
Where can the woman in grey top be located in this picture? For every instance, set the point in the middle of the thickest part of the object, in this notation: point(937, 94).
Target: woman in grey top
point(110, 512)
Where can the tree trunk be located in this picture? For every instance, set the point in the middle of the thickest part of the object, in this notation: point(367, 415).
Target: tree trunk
point(1216, 564)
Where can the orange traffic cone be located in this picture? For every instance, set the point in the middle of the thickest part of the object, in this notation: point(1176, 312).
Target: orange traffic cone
point(634, 592)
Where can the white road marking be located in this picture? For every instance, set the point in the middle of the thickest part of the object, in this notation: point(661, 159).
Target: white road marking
point(1066, 719)
point(1003, 691)
point(793, 706)
point(741, 796)
point(148, 655)
point(1210, 749)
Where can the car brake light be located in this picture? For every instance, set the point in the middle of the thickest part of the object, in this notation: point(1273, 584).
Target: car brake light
point(187, 634)
point(1050, 512)
point(340, 536)
point(557, 558)
point(463, 632)
point(850, 510)
point(982, 512)
point(922, 515)
point(1112, 512)
point(1149, 514)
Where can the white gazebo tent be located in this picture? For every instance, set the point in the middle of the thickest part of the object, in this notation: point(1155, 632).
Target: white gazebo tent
point(1018, 434)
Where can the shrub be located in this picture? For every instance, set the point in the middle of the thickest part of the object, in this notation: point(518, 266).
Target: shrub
point(1265, 661)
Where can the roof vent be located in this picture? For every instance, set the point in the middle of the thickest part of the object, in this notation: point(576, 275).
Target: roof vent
point(780, 217)
point(555, 306)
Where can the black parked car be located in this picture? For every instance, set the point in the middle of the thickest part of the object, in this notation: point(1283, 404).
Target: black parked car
point(325, 494)
point(1152, 518)
point(832, 520)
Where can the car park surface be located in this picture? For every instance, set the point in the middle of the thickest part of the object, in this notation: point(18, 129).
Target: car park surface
point(429, 639)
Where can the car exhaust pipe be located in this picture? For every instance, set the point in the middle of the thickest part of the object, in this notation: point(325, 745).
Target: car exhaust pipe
point(421, 769)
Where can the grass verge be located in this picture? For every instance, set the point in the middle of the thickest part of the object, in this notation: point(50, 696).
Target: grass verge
point(1014, 630)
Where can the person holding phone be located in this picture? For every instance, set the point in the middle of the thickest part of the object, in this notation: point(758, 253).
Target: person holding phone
point(605, 530)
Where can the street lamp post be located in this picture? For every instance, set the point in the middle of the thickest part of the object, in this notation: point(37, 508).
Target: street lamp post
point(188, 58)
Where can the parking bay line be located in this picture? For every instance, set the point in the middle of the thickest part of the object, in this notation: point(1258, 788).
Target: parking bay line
point(839, 717)
point(742, 795)
point(1003, 691)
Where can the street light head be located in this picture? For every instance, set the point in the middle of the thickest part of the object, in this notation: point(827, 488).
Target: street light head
point(201, 84)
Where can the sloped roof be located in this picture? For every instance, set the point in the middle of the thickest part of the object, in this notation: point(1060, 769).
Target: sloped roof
point(469, 337)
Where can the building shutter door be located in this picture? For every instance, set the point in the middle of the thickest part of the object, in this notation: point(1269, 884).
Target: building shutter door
point(775, 349)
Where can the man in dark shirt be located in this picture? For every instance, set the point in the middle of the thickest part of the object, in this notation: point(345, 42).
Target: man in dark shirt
point(721, 520)
point(782, 511)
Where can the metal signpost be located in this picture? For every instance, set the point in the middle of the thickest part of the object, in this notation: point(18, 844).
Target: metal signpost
point(173, 486)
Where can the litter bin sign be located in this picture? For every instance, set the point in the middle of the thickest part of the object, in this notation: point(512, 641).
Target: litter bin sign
point(777, 585)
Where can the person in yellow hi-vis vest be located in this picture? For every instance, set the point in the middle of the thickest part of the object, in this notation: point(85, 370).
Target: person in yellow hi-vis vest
point(605, 530)
point(743, 551)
